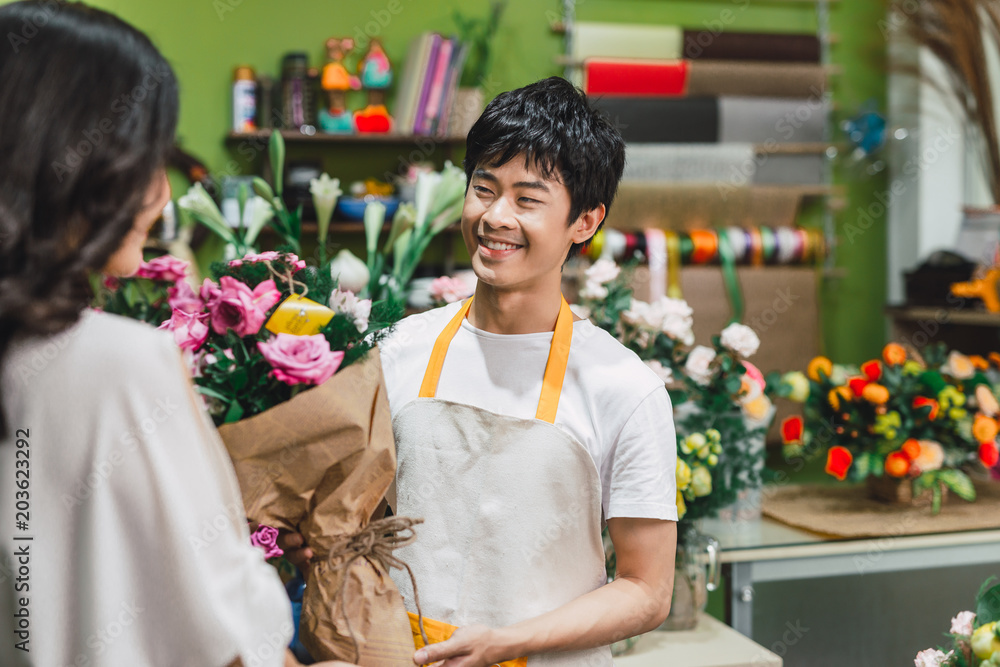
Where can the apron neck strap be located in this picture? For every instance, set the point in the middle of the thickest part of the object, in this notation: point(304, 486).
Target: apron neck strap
point(555, 367)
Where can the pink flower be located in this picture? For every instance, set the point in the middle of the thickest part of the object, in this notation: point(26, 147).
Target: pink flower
point(266, 538)
point(301, 359)
point(754, 374)
point(931, 658)
point(190, 329)
point(167, 268)
point(183, 297)
point(449, 290)
point(962, 624)
point(271, 256)
point(235, 306)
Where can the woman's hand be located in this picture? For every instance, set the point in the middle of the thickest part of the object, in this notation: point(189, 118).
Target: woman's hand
point(296, 550)
point(469, 646)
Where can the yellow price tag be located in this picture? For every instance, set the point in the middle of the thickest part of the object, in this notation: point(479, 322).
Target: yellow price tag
point(299, 316)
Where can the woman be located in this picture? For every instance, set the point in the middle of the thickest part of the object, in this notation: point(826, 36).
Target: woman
point(122, 536)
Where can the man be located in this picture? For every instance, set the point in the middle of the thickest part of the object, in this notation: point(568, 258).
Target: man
point(521, 429)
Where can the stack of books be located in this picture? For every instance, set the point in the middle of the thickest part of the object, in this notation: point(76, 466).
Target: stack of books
point(427, 90)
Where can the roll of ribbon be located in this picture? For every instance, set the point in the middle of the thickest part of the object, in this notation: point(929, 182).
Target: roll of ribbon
point(596, 245)
point(686, 247)
point(706, 245)
point(656, 258)
point(614, 244)
point(738, 242)
point(756, 247)
point(767, 242)
point(787, 242)
point(674, 266)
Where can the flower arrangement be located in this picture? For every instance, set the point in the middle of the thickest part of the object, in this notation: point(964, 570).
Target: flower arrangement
point(975, 636)
point(919, 419)
point(713, 389)
point(264, 329)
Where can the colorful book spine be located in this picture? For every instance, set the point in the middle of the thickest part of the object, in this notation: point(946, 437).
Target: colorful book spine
point(437, 91)
point(425, 92)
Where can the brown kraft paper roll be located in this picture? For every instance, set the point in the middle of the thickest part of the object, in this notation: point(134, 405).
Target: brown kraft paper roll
point(320, 464)
point(733, 77)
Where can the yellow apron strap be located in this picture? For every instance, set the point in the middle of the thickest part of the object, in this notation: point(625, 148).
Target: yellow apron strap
point(429, 386)
point(555, 368)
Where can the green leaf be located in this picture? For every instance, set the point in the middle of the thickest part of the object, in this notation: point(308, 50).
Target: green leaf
point(234, 413)
point(936, 503)
point(988, 606)
point(276, 152)
point(239, 378)
point(242, 196)
point(959, 483)
point(862, 465)
point(208, 391)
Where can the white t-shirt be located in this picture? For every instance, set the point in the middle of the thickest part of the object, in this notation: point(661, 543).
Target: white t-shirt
point(615, 406)
point(140, 552)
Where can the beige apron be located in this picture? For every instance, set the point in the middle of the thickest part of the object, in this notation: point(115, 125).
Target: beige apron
point(511, 507)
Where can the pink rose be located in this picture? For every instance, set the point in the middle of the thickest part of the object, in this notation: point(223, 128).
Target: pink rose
point(183, 297)
point(266, 538)
point(190, 329)
point(271, 256)
point(167, 268)
point(449, 290)
point(301, 359)
point(235, 306)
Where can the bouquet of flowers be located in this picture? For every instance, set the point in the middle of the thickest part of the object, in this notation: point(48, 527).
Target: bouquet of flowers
point(283, 358)
point(974, 635)
point(919, 421)
point(713, 389)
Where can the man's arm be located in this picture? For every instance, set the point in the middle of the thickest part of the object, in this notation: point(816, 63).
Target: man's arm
point(637, 601)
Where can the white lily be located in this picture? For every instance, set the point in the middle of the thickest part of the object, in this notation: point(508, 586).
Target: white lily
point(374, 221)
point(325, 191)
point(426, 186)
point(349, 271)
point(261, 213)
point(202, 207)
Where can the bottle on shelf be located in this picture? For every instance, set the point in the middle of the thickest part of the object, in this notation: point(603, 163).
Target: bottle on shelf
point(244, 99)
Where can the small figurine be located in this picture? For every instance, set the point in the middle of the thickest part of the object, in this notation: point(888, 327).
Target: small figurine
point(376, 76)
point(336, 82)
point(984, 287)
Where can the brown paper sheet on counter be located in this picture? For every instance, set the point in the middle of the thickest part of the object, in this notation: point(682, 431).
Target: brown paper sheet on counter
point(320, 464)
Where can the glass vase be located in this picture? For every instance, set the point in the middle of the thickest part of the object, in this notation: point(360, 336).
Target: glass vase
point(696, 573)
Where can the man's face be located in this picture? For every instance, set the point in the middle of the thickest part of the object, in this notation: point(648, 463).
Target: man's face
point(514, 223)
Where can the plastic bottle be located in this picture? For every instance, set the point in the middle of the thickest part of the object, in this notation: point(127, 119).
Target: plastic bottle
point(244, 99)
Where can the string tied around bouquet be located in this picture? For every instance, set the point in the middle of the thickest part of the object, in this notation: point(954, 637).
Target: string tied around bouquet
point(288, 278)
point(377, 541)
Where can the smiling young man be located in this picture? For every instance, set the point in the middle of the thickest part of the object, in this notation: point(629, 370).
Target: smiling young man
point(521, 429)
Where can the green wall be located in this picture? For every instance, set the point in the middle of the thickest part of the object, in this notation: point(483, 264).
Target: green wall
point(205, 39)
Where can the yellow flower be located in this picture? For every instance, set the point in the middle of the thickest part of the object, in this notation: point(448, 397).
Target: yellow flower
point(799, 385)
point(887, 423)
point(683, 475)
point(693, 442)
point(958, 413)
point(681, 505)
point(912, 368)
point(985, 641)
point(950, 397)
point(701, 481)
point(819, 368)
point(713, 460)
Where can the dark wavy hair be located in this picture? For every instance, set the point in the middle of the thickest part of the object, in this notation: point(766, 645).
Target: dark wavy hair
point(88, 111)
point(551, 123)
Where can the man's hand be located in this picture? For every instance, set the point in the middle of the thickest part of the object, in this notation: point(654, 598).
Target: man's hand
point(469, 646)
point(296, 550)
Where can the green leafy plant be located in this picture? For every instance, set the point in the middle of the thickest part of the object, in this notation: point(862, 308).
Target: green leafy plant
point(478, 34)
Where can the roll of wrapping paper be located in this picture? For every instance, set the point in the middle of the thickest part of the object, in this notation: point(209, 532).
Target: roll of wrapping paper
point(662, 119)
point(726, 45)
point(733, 77)
point(690, 163)
point(627, 76)
point(765, 119)
point(626, 40)
point(681, 206)
point(756, 246)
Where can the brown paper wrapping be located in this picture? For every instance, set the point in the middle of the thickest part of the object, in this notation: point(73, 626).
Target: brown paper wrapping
point(320, 464)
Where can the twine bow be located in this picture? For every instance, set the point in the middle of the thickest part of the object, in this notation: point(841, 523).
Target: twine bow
point(288, 278)
point(377, 541)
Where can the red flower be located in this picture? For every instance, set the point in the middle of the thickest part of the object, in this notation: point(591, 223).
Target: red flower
point(989, 454)
point(791, 430)
point(858, 384)
point(872, 369)
point(897, 464)
point(923, 402)
point(911, 448)
point(838, 462)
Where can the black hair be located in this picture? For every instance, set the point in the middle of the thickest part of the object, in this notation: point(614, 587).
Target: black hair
point(551, 123)
point(88, 111)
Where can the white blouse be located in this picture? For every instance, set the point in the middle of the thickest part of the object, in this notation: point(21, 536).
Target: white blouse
point(139, 552)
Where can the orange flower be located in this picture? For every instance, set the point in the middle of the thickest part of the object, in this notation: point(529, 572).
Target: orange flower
point(791, 430)
point(857, 384)
point(923, 402)
point(984, 429)
point(875, 394)
point(995, 358)
point(989, 454)
point(979, 362)
point(897, 464)
point(838, 462)
point(895, 354)
point(819, 365)
point(837, 394)
point(872, 370)
point(911, 448)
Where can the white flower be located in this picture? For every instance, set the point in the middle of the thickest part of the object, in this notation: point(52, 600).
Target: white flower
point(637, 314)
point(931, 456)
point(841, 373)
point(959, 366)
point(347, 303)
point(350, 272)
point(662, 372)
point(261, 212)
point(602, 272)
point(931, 658)
point(962, 624)
point(671, 316)
point(594, 291)
point(698, 363)
point(741, 339)
point(325, 191)
point(198, 202)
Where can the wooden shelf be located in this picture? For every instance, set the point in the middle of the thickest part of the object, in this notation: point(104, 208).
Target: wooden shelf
point(345, 227)
point(969, 317)
point(294, 136)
